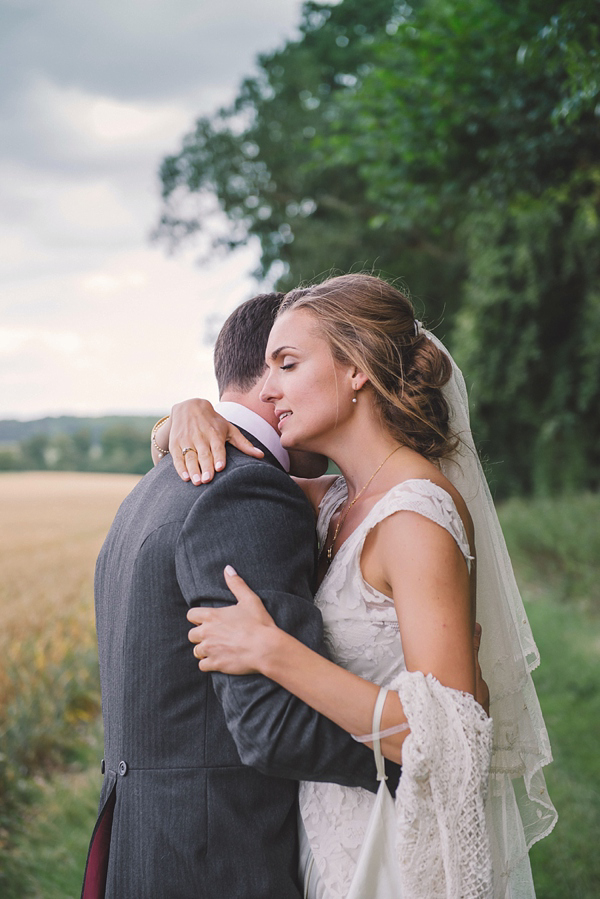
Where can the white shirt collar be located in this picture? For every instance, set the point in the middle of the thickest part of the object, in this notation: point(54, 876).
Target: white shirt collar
point(245, 418)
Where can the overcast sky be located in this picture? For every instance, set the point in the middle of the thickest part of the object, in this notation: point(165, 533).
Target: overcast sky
point(93, 317)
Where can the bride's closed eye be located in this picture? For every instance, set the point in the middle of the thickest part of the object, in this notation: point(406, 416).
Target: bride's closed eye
point(287, 366)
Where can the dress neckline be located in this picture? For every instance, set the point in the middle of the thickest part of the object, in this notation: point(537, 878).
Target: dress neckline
point(341, 482)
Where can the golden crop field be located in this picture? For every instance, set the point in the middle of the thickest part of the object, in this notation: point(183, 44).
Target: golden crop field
point(51, 529)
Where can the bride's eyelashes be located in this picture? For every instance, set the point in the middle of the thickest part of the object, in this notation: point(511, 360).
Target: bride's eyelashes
point(288, 366)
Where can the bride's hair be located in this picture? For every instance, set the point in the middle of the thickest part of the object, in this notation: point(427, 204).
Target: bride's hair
point(371, 324)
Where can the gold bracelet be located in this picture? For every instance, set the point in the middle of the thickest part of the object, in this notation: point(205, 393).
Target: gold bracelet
point(162, 452)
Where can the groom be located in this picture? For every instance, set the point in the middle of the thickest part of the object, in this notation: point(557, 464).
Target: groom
point(201, 770)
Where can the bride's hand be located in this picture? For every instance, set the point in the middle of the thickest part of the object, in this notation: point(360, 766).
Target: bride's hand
point(203, 433)
point(231, 639)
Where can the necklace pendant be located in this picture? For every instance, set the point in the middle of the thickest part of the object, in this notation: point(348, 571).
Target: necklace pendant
point(328, 554)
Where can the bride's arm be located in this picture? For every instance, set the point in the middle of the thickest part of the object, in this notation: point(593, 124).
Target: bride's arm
point(428, 580)
point(244, 639)
point(195, 424)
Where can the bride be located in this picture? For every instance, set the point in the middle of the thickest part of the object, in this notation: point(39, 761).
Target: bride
point(409, 542)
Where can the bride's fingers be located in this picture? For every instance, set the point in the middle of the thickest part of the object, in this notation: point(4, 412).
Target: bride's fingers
point(198, 615)
point(178, 460)
point(219, 438)
point(238, 585)
point(237, 439)
point(192, 458)
point(195, 634)
point(206, 465)
point(249, 608)
point(213, 455)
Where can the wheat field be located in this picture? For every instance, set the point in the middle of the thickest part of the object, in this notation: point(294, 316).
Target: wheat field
point(51, 529)
point(52, 525)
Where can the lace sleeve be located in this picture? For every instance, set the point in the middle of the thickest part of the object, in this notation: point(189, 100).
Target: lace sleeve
point(442, 840)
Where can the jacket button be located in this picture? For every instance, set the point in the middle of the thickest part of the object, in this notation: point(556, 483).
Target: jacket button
point(122, 768)
point(102, 766)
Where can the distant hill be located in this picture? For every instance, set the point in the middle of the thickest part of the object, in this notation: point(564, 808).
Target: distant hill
point(13, 431)
point(74, 443)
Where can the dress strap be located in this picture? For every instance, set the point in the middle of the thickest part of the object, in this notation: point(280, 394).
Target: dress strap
point(427, 499)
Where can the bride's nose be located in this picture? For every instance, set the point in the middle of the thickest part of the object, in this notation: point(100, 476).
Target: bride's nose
point(269, 392)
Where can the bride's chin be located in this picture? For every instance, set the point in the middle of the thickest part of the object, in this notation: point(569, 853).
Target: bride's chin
point(293, 442)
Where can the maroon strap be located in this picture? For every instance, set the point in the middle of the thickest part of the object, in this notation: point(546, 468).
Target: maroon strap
point(96, 869)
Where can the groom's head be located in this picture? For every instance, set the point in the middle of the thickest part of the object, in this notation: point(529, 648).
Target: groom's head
point(240, 368)
point(239, 356)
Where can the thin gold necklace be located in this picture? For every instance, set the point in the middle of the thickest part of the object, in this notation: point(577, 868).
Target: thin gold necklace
point(344, 514)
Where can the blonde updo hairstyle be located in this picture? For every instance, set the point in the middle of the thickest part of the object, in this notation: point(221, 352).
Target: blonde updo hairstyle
point(370, 324)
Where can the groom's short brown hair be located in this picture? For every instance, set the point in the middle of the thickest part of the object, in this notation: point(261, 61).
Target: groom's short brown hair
point(239, 356)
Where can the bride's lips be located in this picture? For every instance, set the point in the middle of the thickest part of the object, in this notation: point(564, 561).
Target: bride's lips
point(282, 415)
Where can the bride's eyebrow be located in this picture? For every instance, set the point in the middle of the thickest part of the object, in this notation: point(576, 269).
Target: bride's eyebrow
point(280, 350)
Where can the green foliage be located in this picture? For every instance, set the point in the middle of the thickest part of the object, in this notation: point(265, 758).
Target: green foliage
point(112, 444)
point(528, 335)
point(261, 156)
point(126, 449)
point(43, 726)
point(566, 864)
point(554, 545)
point(34, 452)
point(48, 855)
point(555, 548)
point(9, 459)
point(454, 144)
point(491, 119)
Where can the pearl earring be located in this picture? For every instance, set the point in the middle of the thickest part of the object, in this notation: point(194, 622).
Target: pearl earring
point(354, 400)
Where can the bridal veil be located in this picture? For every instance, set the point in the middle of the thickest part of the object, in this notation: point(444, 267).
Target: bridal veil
point(519, 811)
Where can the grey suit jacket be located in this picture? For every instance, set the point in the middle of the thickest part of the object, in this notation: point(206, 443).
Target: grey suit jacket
point(200, 770)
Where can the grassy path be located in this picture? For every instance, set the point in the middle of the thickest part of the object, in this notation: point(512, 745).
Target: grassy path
point(567, 864)
point(50, 852)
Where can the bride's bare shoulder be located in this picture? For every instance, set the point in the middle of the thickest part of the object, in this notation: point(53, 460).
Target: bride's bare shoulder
point(316, 488)
point(421, 468)
point(442, 481)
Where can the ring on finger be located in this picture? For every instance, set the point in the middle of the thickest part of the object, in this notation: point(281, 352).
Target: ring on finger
point(188, 449)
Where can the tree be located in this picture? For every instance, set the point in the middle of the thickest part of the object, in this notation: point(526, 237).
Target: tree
point(125, 448)
point(454, 143)
point(493, 134)
point(9, 460)
point(261, 156)
point(35, 451)
point(82, 445)
point(528, 334)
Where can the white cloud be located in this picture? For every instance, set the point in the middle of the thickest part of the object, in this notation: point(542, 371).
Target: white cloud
point(127, 336)
point(88, 212)
point(102, 283)
point(74, 123)
point(15, 340)
point(92, 96)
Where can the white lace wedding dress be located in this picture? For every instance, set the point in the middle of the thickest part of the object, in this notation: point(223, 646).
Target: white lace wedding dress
point(443, 853)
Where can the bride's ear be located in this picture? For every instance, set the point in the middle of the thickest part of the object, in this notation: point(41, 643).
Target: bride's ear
point(359, 379)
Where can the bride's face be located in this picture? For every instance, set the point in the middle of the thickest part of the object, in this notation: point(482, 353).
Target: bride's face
point(311, 392)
